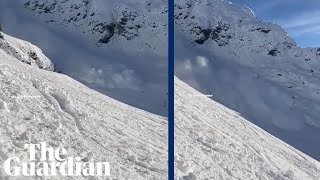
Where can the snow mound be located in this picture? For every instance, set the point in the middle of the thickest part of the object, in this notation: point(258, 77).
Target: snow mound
point(214, 142)
point(42, 106)
point(25, 52)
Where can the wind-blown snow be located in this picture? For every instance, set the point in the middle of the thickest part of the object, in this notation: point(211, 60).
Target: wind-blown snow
point(253, 67)
point(42, 106)
point(216, 143)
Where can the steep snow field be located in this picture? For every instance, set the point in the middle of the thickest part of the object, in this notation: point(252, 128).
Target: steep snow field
point(252, 67)
point(42, 106)
point(118, 48)
point(216, 143)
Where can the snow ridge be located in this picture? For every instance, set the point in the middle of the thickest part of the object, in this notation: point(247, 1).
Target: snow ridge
point(25, 52)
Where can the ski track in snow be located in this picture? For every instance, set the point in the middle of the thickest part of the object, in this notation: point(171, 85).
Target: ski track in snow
point(42, 106)
point(213, 142)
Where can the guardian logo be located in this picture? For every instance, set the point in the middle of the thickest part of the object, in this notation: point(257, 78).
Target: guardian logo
point(53, 162)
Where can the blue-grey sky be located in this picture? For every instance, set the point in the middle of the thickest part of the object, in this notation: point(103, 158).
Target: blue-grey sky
point(300, 18)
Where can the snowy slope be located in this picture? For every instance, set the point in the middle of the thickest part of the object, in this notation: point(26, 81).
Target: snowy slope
point(42, 106)
point(251, 66)
point(216, 143)
point(118, 48)
point(140, 25)
point(25, 52)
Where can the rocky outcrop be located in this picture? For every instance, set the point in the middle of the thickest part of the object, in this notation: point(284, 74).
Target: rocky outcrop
point(109, 23)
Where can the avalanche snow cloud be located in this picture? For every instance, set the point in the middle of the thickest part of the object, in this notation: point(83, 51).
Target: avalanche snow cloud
point(118, 48)
point(252, 67)
point(38, 106)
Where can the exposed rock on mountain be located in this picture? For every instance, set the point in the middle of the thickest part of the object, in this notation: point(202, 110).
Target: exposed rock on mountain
point(142, 23)
point(251, 66)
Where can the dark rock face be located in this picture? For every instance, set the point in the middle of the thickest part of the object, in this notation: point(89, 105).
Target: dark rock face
point(203, 34)
point(274, 52)
point(49, 8)
point(221, 27)
point(218, 34)
point(264, 30)
point(125, 25)
point(33, 55)
point(107, 29)
point(108, 23)
point(118, 28)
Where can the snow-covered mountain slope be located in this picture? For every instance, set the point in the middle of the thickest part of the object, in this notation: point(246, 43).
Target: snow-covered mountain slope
point(25, 52)
point(216, 143)
point(251, 66)
point(118, 48)
point(42, 106)
point(140, 25)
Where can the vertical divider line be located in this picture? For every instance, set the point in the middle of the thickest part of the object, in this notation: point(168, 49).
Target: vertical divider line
point(171, 89)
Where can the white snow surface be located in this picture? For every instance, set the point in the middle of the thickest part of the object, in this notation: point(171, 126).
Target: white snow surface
point(216, 143)
point(42, 106)
point(252, 67)
point(25, 52)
